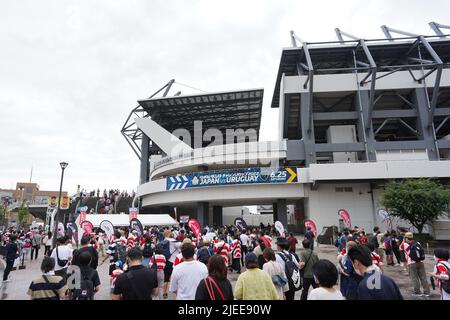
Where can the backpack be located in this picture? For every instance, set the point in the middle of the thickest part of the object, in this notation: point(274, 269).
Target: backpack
point(121, 252)
point(416, 253)
point(292, 271)
point(86, 291)
point(373, 240)
point(205, 257)
point(337, 243)
point(148, 251)
point(445, 284)
point(165, 244)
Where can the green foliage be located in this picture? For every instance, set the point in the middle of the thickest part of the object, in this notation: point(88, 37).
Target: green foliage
point(419, 201)
point(23, 213)
point(2, 215)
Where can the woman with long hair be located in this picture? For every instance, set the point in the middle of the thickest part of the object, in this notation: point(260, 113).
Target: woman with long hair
point(216, 286)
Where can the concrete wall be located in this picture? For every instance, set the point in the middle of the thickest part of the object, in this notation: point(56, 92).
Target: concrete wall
point(323, 204)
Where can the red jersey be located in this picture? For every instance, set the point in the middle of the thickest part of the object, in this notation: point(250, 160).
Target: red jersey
point(224, 252)
point(160, 261)
point(442, 267)
point(236, 249)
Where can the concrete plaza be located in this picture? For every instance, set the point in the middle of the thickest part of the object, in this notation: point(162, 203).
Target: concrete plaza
point(21, 279)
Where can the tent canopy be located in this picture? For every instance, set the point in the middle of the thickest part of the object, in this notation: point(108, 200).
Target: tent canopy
point(122, 220)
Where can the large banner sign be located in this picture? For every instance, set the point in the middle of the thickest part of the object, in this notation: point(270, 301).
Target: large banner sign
point(309, 223)
point(280, 228)
point(108, 227)
point(230, 177)
point(345, 216)
point(195, 227)
point(136, 225)
point(240, 224)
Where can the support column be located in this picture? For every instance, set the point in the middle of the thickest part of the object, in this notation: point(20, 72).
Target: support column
point(420, 100)
point(365, 130)
point(275, 211)
point(145, 144)
point(307, 135)
point(282, 212)
point(202, 213)
point(217, 215)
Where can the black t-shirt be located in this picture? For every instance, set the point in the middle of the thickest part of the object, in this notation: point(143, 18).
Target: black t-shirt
point(91, 274)
point(136, 284)
point(92, 251)
point(223, 284)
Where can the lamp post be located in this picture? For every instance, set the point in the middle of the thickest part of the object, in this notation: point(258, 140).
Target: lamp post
point(55, 227)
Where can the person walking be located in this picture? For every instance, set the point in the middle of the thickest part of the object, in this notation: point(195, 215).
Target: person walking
point(85, 247)
point(276, 272)
point(138, 283)
point(187, 275)
point(254, 283)
point(215, 286)
point(374, 285)
point(90, 281)
point(326, 276)
point(309, 235)
point(48, 286)
point(414, 256)
point(441, 272)
point(47, 241)
point(308, 259)
point(12, 253)
point(36, 242)
point(289, 264)
point(62, 255)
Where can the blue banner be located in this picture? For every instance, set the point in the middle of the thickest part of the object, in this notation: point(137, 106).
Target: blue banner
point(232, 177)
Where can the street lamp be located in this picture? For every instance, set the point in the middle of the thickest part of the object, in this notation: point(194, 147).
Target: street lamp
point(55, 227)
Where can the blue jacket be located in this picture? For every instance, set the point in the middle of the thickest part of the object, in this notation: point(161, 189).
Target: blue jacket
point(11, 251)
point(378, 287)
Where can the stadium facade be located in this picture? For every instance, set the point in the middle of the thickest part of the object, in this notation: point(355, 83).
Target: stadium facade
point(353, 114)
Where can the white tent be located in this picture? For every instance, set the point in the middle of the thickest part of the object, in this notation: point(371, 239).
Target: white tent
point(122, 220)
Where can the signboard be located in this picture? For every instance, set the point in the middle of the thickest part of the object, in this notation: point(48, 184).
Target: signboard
point(310, 224)
point(133, 213)
point(232, 177)
point(65, 203)
point(240, 224)
point(52, 201)
point(184, 219)
point(280, 228)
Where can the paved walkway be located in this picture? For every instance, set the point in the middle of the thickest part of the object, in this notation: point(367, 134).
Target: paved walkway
point(21, 279)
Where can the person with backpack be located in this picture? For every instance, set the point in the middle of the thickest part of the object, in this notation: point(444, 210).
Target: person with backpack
point(117, 251)
point(205, 252)
point(48, 286)
point(138, 283)
point(308, 258)
point(387, 246)
point(415, 255)
point(215, 286)
point(62, 255)
point(89, 279)
point(374, 284)
point(158, 263)
point(290, 266)
point(254, 283)
point(223, 248)
point(275, 271)
point(309, 235)
point(147, 251)
point(170, 250)
point(85, 247)
point(236, 254)
point(441, 272)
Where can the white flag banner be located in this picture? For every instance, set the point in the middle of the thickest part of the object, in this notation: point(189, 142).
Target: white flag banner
point(280, 228)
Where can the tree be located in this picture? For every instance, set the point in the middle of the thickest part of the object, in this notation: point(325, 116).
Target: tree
point(2, 215)
point(23, 213)
point(419, 201)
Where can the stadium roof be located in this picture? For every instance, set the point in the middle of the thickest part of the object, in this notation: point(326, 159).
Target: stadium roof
point(221, 110)
point(337, 57)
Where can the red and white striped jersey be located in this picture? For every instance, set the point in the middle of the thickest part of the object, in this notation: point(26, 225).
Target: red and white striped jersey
point(116, 273)
point(236, 249)
point(376, 260)
point(440, 269)
point(160, 261)
point(224, 252)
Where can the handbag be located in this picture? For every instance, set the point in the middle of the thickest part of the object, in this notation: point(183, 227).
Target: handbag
point(209, 287)
point(279, 281)
point(61, 263)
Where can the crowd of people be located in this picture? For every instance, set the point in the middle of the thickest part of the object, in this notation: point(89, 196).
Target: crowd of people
point(164, 261)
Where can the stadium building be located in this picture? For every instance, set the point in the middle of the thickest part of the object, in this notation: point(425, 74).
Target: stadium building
point(352, 115)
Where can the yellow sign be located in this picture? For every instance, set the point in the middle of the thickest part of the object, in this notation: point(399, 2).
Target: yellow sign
point(64, 203)
point(293, 177)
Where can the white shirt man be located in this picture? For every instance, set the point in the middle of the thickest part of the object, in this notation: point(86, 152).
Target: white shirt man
point(245, 240)
point(185, 278)
point(64, 253)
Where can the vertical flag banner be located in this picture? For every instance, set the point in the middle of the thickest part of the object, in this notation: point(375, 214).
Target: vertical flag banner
point(133, 213)
point(108, 228)
point(65, 203)
point(345, 216)
point(240, 224)
point(136, 225)
point(280, 228)
point(195, 227)
point(309, 223)
point(52, 201)
point(73, 231)
point(87, 227)
point(385, 217)
point(60, 229)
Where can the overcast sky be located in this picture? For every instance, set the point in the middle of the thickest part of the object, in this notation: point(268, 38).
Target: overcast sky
point(71, 71)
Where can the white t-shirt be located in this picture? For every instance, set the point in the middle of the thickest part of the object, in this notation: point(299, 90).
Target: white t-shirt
point(185, 279)
point(64, 253)
point(281, 261)
point(244, 239)
point(324, 294)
